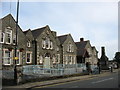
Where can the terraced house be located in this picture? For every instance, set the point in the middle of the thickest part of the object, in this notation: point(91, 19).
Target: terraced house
point(42, 47)
point(46, 51)
point(68, 49)
point(86, 53)
point(8, 39)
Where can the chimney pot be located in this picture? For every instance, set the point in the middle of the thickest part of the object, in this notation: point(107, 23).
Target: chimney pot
point(81, 39)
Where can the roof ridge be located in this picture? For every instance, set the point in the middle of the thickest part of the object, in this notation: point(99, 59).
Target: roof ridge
point(63, 35)
point(38, 28)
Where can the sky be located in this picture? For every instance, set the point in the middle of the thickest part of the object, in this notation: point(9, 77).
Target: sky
point(94, 21)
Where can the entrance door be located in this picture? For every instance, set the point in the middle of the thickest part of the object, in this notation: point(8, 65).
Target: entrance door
point(47, 62)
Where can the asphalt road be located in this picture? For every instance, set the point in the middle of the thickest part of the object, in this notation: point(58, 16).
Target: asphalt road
point(108, 81)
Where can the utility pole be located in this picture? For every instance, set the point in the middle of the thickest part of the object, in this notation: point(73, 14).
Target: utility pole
point(16, 58)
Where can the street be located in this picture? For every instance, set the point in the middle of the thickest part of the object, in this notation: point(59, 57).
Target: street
point(107, 81)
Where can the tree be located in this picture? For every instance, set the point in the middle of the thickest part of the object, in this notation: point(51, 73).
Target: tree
point(117, 57)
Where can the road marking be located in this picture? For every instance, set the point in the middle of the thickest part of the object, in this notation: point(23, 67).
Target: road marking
point(102, 80)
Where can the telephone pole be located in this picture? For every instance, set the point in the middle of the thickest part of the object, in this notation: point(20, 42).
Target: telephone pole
point(15, 67)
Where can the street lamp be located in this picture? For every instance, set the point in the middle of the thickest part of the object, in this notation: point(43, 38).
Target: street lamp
point(16, 58)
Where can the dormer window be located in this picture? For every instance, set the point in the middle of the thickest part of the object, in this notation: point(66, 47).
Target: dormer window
point(2, 37)
point(8, 34)
point(28, 44)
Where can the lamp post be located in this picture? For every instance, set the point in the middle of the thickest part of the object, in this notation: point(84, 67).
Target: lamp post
point(15, 69)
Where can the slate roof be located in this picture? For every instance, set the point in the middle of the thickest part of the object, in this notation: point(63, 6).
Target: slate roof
point(37, 32)
point(62, 38)
point(25, 32)
point(81, 51)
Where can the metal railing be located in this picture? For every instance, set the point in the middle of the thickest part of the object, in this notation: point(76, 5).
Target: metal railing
point(59, 69)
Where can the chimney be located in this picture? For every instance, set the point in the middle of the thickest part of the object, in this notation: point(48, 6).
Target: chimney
point(81, 39)
point(103, 50)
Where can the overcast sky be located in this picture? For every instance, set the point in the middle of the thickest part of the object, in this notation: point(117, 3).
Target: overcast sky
point(94, 21)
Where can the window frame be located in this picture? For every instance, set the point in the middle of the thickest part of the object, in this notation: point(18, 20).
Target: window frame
point(28, 44)
point(30, 57)
point(10, 33)
point(7, 57)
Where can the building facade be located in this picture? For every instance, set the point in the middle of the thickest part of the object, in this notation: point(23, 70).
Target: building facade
point(42, 47)
point(47, 51)
point(8, 40)
point(86, 53)
point(68, 49)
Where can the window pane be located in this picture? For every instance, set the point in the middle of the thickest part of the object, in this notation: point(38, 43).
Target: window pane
point(28, 57)
point(7, 57)
point(8, 37)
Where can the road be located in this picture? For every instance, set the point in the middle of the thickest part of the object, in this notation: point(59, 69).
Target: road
point(107, 81)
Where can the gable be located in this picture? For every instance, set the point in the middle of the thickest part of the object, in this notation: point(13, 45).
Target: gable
point(9, 21)
point(29, 34)
point(69, 39)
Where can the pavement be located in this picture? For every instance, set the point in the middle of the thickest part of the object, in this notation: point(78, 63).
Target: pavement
point(50, 82)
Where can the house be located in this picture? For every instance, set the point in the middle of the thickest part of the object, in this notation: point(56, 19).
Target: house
point(8, 39)
point(86, 53)
point(46, 51)
point(25, 45)
point(68, 49)
point(30, 59)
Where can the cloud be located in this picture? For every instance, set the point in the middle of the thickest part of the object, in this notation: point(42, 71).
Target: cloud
point(94, 21)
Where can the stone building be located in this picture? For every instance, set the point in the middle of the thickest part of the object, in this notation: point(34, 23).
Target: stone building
point(29, 48)
point(46, 51)
point(68, 49)
point(86, 53)
point(8, 39)
point(42, 47)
